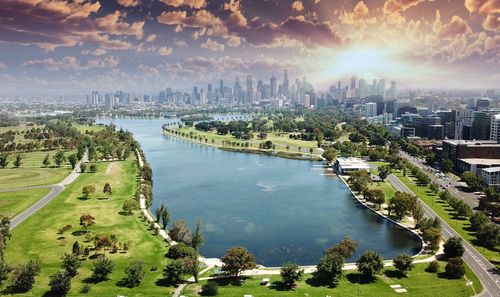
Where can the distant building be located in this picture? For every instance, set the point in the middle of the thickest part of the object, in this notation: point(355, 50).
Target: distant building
point(491, 176)
point(495, 128)
point(370, 109)
point(475, 165)
point(345, 166)
point(481, 126)
point(455, 150)
point(274, 86)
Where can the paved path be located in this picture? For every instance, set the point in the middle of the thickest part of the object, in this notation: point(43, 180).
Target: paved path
point(56, 190)
point(484, 270)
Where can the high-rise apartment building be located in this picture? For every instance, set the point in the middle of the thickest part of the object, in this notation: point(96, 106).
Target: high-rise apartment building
point(495, 128)
point(274, 86)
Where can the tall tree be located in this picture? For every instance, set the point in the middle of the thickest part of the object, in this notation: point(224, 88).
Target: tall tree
point(60, 283)
point(383, 172)
point(290, 274)
point(453, 247)
point(181, 232)
point(4, 234)
point(236, 260)
point(329, 267)
point(18, 161)
point(59, 158)
point(72, 159)
point(346, 248)
point(197, 240)
point(4, 160)
point(403, 263)
point(46, 161)
point(70, 263)
point(370, 264)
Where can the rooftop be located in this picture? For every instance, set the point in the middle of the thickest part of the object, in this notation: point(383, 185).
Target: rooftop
point(351, 162)
point(492, 169)
point(477, 161)
point(472, 142)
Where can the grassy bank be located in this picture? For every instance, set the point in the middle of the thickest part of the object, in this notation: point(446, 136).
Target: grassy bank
point(282, 154)
point(38, 237)
point(418, 283)
point(13, 203)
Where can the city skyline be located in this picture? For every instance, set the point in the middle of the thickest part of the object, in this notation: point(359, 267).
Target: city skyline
point(67, 48)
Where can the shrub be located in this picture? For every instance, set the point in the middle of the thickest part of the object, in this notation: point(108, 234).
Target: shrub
point(102, 267)
point(455, 268)
point(181, 250)
point(60, 283)
point(85, 289)
point(135, 274)
point(433, 267)
point(210, 289)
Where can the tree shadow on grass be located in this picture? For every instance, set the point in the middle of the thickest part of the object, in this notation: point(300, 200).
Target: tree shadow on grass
point(233, 281)
point(78, 232)
point(316, 281)
point(82, 198)
point(358, 278)
point(394, 274)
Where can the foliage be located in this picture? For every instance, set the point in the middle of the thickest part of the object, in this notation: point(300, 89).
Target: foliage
point(290, 274)
point(181, 250)
point(446, 165)
point(433, 267)
point(60, 283)
point(329, 267)
point(72, 159)
point(135, 274)
point(59, 158)
point(477, 220)
point(375, 196)
point(432, 236)
point(453, 247)
point(180, 232)
point(23, 277)
point(370, 264)
point(236, 260)
point(46, 160)
point(346, 248)
point(83, 167)
point(70, 263)
point(197, 240)
point(107, 189)
point(401, 205)
point(383, 172)
point(4, 160)
point(173, 271)
point(18, 161)
point(359, 180)
point(455, 268)
point(472, 180)
point(87, 191)
point(4, 233)
point(330, 154)
point(102, 267)
point(87, 221)
point(403, 263)
point(488, 235)
point(129, 206)
point(211, 288)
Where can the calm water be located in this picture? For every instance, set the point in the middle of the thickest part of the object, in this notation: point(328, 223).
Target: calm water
point(281, 210)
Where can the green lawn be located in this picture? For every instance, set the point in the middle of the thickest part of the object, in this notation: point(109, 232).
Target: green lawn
point(84, 128)
point(31, 173)
point(460, 225)
point(38, 238)
point(418, 283)
point(386, 187)
point(13, 203)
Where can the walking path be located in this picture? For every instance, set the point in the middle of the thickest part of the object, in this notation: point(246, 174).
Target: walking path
point(56, 190)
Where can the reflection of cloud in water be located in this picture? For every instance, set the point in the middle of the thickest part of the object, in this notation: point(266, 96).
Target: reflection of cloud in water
point(321, 241)
point(258, 163)
point(212, 228)
point(265, 188)
point(250, 228)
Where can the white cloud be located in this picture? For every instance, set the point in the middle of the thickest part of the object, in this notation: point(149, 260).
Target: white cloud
point(212, 45)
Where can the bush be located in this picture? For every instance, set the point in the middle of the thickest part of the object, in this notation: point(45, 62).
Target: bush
point(455, 268)
point(453, 247)
point(60, 283)
point(180, 251)
point(85, 289)
point(433, 267)
point(135, 274)
point(23, 277)
point(102, 268)
point(210, 289)
point(370, 264)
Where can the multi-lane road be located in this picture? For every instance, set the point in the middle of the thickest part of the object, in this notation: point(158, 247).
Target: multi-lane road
point(484, 270)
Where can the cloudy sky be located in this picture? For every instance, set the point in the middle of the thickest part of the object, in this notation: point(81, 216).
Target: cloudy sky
point(71, 47)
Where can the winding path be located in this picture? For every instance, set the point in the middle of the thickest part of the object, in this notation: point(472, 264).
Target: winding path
point(56, 190)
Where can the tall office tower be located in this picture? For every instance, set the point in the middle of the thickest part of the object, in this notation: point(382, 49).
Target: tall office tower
point(481, 126)
point(391, 92)
point(381, 87)
point(259, 90)
point(236, 90)
point(338, 85)
point(273, 86)
point(362, 88)
point(495, 128)
point(286, 84)
point(195, 97)
point(353, 83)
point(374, 87)
point(221, 88)
point(249, 83)
point(95, 98)
point(109, 100)
point(203, 97)
point(209, 93)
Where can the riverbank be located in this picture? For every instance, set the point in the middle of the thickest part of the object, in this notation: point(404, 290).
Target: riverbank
point(249, 150)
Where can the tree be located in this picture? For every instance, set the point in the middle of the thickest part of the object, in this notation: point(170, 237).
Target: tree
point(311, 150)
point(434, 188)
point(135, 274)
point(18, 161)
point(59, 158)
point(403, 263)
point(181, 232)
point(83, 167)
point(346, 248)
point(236, 260)
point(290, 274)
point(433, 267)
point(453, 247)
point(477, 220)
point(4, 233)
point(446, 165)
point(87, 191)
point(329, 267)
point(433, 237)
point(46, 161)
point(211, 288)
point(5, 270)
point(76, 248)
point(70, 263)
point(173, 271)
point(181, 250)
point(93, 168)
point(488, 235)
point(197, 240)
point(23, 277)
point(60, 283)
point(375, 196)
point(370, 264)
point(72, 159)
point(455, 268)
point(102, 267)
point(359, 180)
point(472, 180)
point(383, 172)
point(165, 215)
point(4, 160)
point(87, 221)
point(401, 204)
point(107, 189)
point(329, 154)
point(129, 206)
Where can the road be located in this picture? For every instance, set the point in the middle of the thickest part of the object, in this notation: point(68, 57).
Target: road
point(484, 270)
point(452, 186)
point(56, 190)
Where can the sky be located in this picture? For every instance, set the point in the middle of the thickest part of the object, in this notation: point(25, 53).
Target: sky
point(60, 47)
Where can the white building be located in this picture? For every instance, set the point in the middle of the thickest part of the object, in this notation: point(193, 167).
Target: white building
point(345, 166)
point(371, 109)
point(491, 176)
point(495, 128)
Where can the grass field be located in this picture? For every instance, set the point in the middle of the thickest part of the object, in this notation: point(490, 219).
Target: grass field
point(386, 187)
point(13, 203)
point(30, 173)
point(38, 238)
point(280, 140)
point(419, 283)
point(461, 225)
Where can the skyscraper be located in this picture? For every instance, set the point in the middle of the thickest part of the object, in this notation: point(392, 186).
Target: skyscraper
point(221, 88)
point(495, 128)
point(353, 83)
point(274, 87)
point(249, 83)
point(286, 84)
